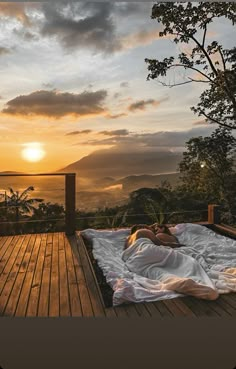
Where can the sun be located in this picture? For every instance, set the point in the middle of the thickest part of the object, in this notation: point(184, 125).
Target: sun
point(33, 152)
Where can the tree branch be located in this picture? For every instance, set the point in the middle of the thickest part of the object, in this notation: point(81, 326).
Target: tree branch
point(205, 53)
point(222, 58)
point(195, 69)
point(176, 84)
point(204, 36)
point(197, 80)
point(217, 121)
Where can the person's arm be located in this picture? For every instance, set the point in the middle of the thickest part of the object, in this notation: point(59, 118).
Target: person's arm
point(172, 244)
point(159, 242)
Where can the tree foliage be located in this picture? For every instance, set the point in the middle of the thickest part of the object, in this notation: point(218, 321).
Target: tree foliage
point(208, 165)
point(208, 63)
point(20, 202)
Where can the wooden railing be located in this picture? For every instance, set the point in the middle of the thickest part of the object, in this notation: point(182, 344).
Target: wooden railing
point(70, 200)
point(213, 214)
point(70, 196)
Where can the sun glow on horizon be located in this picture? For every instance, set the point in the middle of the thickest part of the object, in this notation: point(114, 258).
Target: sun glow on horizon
point(33, 152)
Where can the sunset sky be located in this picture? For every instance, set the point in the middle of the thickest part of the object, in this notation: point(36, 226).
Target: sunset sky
point(73, 80)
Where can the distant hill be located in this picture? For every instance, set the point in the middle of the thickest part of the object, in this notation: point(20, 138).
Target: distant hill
point(132, 183)
point(107, 163)
point(10, 172)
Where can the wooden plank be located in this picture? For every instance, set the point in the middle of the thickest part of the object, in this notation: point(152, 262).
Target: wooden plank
point(180, 302)
point(8, 263)
point(4, 242)
point(86, 305)
point(223, 302)
point(121, 312)
point(25, 292)
point(11, 252)
point(81, 246)
point(32, 309)
point(152, 309)
point(217, 308)
point(11, 271)
point(195, 308)
point(54, 310)
point(97, 304)
point(173, 308)
point(43, 306)
point(142, 310)
point(230, 302)
point(131, 310)
point(199, 307)
point(63, 279)
point(28, 253)
point(16, 290)
point(165, 312)
point(74, 297)
point(232, 296)
point(110, 312)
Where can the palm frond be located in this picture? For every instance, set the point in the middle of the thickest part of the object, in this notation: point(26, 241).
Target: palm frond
point(25, 192)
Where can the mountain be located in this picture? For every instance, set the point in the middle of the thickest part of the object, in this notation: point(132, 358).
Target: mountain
point(10, 172)
point(108, 163)
point(132, 183)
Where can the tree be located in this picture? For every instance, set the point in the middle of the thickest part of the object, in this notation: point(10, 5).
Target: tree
point(207, 63)
point(208, 166)
point(20, 202)
point(145, 203)
point(49, 217)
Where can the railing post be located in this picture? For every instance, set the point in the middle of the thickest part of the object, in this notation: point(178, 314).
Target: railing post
point(70, 204)
point(213, 214)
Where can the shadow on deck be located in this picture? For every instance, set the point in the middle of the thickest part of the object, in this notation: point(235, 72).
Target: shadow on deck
point(51, 275)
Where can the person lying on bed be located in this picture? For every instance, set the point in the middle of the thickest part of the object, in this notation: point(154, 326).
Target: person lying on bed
point(158, 234)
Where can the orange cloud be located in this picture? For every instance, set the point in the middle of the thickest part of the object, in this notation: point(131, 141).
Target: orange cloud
point(15, 10)
point(139, 39)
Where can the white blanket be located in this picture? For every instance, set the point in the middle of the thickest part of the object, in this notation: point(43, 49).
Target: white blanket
point(142, 272)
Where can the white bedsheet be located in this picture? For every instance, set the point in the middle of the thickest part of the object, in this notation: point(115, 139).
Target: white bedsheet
point(138, 278)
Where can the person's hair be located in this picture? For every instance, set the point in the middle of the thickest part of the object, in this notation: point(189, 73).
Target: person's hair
point(135, 227)
point(163, 226)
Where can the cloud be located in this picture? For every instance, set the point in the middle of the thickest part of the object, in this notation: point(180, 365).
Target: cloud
point(140, 38)
point(4, 50)
point(114, 140)
point(74, 133)
point(116, 95)
point(124, 84)
point(26, 35)
point(141, 104)
point(98, 26)
point(57, 104)
point(134, 9)
point(47, 85)
point(171, 139)
point(87, 25)
point(201, 122)
point(16, 10)
point(164, 140)
point(118, 132)
point(115, 116)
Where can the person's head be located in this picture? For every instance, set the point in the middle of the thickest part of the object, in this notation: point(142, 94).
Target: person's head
point(160, 228)
point(135, 227)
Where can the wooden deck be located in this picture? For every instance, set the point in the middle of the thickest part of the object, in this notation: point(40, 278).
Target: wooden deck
point(50, 275)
